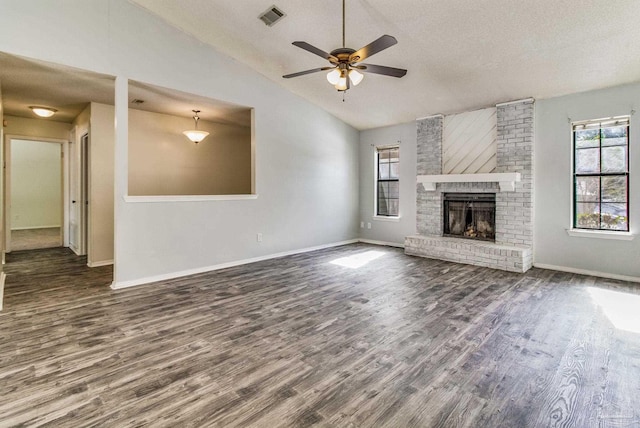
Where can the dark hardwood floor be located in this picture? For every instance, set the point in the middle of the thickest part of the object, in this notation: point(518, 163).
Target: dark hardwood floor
point(298, 341)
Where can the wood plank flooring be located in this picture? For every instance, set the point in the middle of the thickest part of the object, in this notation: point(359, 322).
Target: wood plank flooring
point(298, 341)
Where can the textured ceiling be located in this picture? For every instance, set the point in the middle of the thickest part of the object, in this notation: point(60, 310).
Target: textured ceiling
point(27, 82)
point(461, 54)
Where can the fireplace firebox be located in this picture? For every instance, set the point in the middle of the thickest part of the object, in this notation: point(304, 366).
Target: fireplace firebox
point(470, 215)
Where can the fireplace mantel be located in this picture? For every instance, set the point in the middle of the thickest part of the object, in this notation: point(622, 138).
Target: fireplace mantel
point(506, 180)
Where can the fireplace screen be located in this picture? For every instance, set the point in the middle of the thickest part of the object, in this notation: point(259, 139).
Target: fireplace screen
point(470, 215)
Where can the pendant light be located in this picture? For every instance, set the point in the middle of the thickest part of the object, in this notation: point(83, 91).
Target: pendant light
point(196, 135)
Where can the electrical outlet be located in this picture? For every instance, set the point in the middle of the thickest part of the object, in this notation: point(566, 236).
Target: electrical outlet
point(368, 225)
point(362, 225)
point(259, 237)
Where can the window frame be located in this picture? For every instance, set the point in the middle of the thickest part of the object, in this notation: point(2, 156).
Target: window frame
point(599, 124)
point(378, 180)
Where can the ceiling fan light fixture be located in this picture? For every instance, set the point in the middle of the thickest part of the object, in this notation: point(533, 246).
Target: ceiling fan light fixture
point(342, 83)
point(346, 63)
point(195, 135)
point(355, 76)
point(43, 111)
point(333, 76)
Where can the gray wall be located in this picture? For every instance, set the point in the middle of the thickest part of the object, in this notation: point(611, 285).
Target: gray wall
point(553, 247)
point(388, 231)
point(306, 159)
point(553, 183)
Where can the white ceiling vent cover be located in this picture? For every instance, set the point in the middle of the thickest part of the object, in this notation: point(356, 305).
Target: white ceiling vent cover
point(272, 15)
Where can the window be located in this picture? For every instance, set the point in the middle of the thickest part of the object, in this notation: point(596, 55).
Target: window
point(387, 181)
point(601, 174)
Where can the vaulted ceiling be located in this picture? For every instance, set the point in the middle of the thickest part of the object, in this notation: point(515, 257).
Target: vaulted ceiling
point(461, 54)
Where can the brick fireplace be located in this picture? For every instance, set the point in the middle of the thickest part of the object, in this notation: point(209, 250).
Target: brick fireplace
point(512, 249)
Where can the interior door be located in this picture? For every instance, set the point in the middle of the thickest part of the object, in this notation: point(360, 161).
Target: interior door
point(84, 192)
point(78, 194)
point(74, 194)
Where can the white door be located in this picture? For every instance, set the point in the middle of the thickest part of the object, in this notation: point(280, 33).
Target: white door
point(84, 192)
point(78, 193)
point(74, 193)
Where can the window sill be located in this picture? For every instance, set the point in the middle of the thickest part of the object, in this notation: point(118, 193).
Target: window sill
point(601, 234)
point(187, 198)
point(385, 218)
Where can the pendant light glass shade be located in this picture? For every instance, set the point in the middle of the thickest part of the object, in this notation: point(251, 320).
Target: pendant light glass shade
point(196, 135)
point(333, 76)
point(342, 84)
point(355, 76)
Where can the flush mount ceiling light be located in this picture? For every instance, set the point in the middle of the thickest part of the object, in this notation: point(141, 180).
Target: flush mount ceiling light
point(195, 135)
point(43, 111)
point(345, 67)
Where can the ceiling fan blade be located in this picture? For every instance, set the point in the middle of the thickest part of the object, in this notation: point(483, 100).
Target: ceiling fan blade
point(314, 50)
point(373, 48)
point(381, 69)
point(302, 73)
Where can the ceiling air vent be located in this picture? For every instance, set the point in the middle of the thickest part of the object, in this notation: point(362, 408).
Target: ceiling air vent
point(272, 15)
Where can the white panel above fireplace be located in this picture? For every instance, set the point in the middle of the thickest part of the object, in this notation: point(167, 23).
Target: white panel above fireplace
point(469, 142)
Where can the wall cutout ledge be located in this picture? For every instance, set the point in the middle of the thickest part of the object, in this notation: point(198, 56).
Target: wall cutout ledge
point(187, 198)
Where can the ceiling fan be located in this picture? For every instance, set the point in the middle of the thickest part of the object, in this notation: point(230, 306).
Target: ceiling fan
point(345, 62)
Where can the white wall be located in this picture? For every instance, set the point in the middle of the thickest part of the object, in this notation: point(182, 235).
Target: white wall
point(162, 161)
point(553, 183)
point(306, 159)
point(385, 230)
point(36, 184)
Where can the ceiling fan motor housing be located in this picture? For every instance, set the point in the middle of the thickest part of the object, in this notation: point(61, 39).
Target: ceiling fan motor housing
point(343, 55)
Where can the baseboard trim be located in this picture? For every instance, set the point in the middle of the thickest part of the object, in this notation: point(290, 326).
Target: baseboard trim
point(587, 272)
point(100, 263)
point(385, 243)
point(35, 227)
point(117, 285)
point(2, 278)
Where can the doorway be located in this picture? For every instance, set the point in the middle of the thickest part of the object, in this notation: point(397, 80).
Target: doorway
point(34, 195)
point(79, 193)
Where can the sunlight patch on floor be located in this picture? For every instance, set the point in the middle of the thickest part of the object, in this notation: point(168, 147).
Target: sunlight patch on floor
point(622, 309)
point(358, 260)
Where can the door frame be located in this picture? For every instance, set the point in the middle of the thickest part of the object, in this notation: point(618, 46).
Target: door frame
point(6, 191)
point(79, 170)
